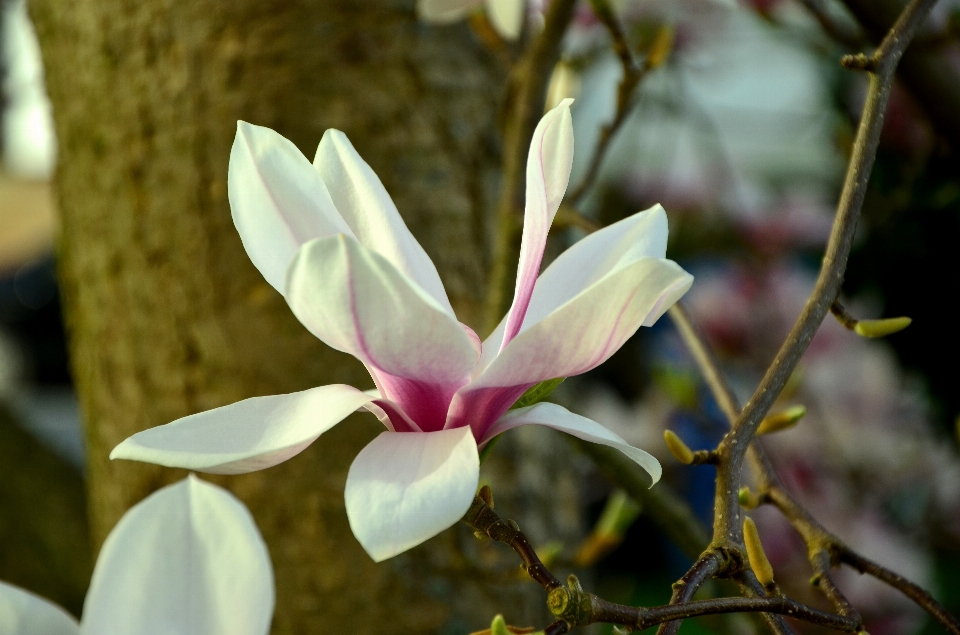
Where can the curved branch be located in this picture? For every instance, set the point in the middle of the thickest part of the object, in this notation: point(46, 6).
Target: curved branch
point(916, 593)
point(529, 83)
point(687, 586)
point(734, 445)
point(641, 618)
point(482, 518)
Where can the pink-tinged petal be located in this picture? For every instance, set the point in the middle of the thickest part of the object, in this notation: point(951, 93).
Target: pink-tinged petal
point(358, 302)
point(404, 488)
point(187, 559)
point(392, 416)
point(23, 613)
point(575, 337)
point(559, 418)
point(548, 171)
point(369, 211)
point(444, 11)
point(506, 16)
point(642, 235)
point(277, 200)
point(249, 435)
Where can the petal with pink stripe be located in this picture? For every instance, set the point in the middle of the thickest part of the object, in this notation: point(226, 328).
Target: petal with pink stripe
point(642, 235)
point(548, 172)
point(358, 302)
point(574, 338)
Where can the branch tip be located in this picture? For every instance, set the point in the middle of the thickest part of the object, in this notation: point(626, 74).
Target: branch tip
point(759, 562)
point(677, 447)
point(783, 420)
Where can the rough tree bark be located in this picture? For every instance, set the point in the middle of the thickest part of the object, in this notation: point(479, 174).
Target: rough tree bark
point(165, 312)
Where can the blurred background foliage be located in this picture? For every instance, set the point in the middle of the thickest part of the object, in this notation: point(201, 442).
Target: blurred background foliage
point(742, 134)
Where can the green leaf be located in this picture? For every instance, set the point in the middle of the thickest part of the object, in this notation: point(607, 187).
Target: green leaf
point(488, 448)
point(499, 626)
point(537, 393)
point(534, 394)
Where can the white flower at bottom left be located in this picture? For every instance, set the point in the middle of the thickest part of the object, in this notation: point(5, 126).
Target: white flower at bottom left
point(187, 559)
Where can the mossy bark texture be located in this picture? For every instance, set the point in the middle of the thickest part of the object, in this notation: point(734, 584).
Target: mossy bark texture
point(166, 314)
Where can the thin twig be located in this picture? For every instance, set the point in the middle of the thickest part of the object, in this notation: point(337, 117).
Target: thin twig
point(641, 618)
point(916, 593)
point(529, 81)
point(843, 316)
point(846, 34)
point(822, 562)
point(733, 448)
point(482, 518)
point(670, 512)
point(687, 586)
point(575, 607)
point(751, 586)
point(633, 72)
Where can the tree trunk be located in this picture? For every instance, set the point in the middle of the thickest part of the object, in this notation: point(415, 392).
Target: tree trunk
point(166, 314)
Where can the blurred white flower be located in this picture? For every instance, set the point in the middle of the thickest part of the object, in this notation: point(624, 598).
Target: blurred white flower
point(29, 144)
point(188, 559)
point(506, 16)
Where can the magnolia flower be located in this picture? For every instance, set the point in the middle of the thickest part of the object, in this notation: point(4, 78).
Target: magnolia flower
point(506, 16)
point(188, 559)
point(328, 237)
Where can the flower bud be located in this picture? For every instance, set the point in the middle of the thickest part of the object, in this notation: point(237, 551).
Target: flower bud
point(881, 328)
point(755, 553)
point(678, 448)
point(498, 626)
point(782, 420)
point(486, 495)
point(618, 514)
point(747, 499)
point(661, 47)
point(564, 83)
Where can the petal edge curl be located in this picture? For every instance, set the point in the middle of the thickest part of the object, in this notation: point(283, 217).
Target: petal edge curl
point(246, 436)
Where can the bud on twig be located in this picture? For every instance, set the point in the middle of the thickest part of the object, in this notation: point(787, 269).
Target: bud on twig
point(499, 626)
point(618, 514)
point(486, 495)
point(881, 328)
point(564, 83)
point(782, 420)
point(661, 47)
point(755, 553)
point(748, 500)
point(868, 328)
point(677, 447)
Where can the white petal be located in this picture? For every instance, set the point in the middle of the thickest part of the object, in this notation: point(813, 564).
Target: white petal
point(187, 560)
point(507, 17)
point(583, 332)
point(548, 171)
point(356, 301)
point(406, 487)
point(444, 11)
point(23, 613)
point(559, 418)
point(369, 211)
point(579, 335)
point(642, 235)
point(277, 200)
point(249, 435)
